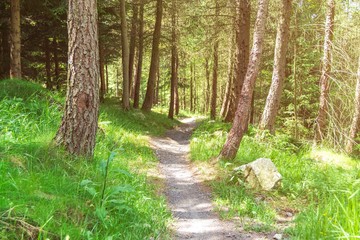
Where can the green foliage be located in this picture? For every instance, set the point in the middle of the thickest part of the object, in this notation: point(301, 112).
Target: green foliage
point(322, 186)
point(64, 195)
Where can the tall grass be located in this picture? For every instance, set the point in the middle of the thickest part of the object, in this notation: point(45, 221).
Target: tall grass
point(59, 195)
point(325, 194)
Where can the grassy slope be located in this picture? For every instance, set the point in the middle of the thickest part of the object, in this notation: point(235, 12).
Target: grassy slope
point(43, 186)
point(327, 195)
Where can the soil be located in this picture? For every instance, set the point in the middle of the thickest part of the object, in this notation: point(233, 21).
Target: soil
point(188, 199)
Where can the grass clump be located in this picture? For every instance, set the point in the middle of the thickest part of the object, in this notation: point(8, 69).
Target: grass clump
point(58, 195)
point(319, 186)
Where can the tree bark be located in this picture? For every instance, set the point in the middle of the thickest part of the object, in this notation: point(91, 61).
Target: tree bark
point(56, 64)
point(148, 102)
point(125, 57)
point(240, 123)
point(15, 40)
point(80, 120)
point(208, 86)
point(102, 73)
point(356, 120)
point(227, 95)
point(321, 120)
point(133, 43)
point(242, 39)
point(140, 57)
point(273, 99)
point(216, 63)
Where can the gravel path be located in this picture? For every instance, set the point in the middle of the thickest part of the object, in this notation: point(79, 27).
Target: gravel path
point(189, 202)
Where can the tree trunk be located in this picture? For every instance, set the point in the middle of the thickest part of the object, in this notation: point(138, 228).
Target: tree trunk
point(207, 74)
point(321, 120)
point(49, 84)
point(227, 95)
point(356, 120)
point(148, 102)
point(273, 99)
point(133, 43)
point(140, 57)
point(15, 40)
point(80, 121)
point(216, 63)
point(125, 57)
point(240, 123)
point(174, 77)
point(5, 58)
point(242, 39)
point(191, 87)
point(56, 64)
point(102, 73)
point(107, 78)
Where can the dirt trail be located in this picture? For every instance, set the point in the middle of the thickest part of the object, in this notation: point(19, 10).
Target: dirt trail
point(190, 203)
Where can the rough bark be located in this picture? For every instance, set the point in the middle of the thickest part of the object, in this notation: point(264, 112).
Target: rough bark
point(140, 57)
point(174, 77)
point(240, 123)
point(216, 63)
point(278, 77)
point(242, 39)
point(80, 120)
point(133, 43)
point(148, 102)
point(15, 40)
point(321, 120)
point(356, 120)
point(125, 57)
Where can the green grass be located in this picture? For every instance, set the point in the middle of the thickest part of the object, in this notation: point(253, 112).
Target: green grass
point(61, 195)
point(321, 186)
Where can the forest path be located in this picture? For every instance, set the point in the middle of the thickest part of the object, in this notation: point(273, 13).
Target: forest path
point(188, 199)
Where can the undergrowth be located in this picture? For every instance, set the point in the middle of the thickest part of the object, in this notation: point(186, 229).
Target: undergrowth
point(323, 191)
point(46, 193)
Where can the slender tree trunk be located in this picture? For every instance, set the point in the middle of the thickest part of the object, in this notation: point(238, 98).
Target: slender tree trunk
point(240, 123)
point(273, 99)
point(207, 74)
point(177, 100)
point(102, 73)
point(125, 57)
point(49, 84)
point(148, 102)
point(107, 78)
point(15, 40)
point(133, 43)
point(216, 62)
point(321, 120)
point(227, 95)
point(173, 84)
point(80, 121)
point(191, 87)
point(56, 64)
point(140, 57)
point(242, 39)
point(356, 120)
point(5, 58)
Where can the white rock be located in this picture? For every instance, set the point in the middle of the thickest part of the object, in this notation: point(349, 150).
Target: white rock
point(277, 236)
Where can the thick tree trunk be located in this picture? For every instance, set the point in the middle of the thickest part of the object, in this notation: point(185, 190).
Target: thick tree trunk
point(80, 121)
point(240, 123)
point(356, 120)
point(148, 102)
point(133, 43)
point(216, 63)
point(140, 57)
point(125, 57)
point(242, 39)
point(49, 84)
point(321, 120)
point(278, 77)
point(174, 77)
point(15, 40)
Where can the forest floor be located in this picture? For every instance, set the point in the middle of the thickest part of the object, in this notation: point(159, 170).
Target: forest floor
point(188, 198)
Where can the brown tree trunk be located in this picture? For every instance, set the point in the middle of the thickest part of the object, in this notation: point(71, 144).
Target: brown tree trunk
point(140, 57)
point(273, 99)
point(321, 120)
point(80, 121)
point(56, 64)
point(240, 123)
point(106, 78)
point(216, 63)
point(174, 77)
point(5, 56)
point(227, 95)
point(125, 57)
point(242, 39)
point(15, 40)
point(133, 43)
point(356, 120)
point(191, 87)
point(49, 84)
point(148, 102)
point(102, 73)
point(207, 75)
